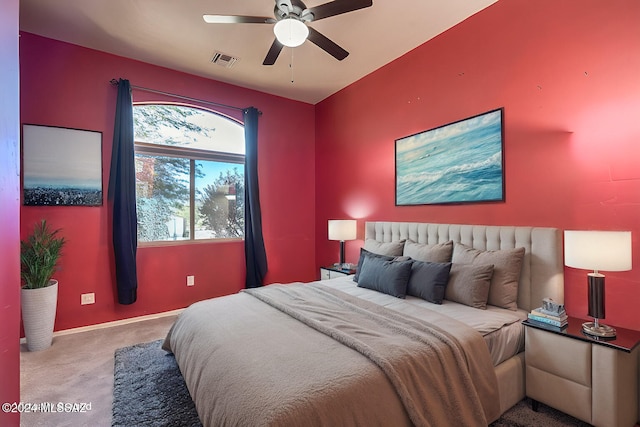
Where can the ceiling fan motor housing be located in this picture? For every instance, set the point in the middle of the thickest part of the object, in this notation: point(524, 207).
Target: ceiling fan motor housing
point(297, 11)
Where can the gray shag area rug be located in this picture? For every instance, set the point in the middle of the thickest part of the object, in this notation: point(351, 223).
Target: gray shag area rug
point(521, 415)
point(149, 391)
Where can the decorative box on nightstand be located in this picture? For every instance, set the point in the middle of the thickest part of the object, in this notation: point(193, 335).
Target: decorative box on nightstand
point(331, 272)
point(592, 379)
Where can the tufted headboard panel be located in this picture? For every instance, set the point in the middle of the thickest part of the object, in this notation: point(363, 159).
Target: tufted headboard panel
point(542, 270)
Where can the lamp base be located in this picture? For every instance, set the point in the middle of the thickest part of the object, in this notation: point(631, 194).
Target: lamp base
point(598, 329)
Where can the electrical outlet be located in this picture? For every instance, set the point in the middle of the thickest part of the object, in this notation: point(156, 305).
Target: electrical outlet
point(191, 280)
point(87, 298)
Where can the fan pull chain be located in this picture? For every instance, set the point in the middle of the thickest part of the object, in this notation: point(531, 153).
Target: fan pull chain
point(291, 66)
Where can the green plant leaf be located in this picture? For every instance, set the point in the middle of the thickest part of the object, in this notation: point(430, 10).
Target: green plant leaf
point(39, 255)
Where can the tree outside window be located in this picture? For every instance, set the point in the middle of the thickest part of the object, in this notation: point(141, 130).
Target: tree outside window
point(189, 174)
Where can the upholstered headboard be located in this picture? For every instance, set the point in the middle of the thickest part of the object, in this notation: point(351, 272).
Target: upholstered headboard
point(542, 270)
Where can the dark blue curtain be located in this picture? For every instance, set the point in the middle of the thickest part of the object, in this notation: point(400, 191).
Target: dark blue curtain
point(255, 254)
point(122, 195)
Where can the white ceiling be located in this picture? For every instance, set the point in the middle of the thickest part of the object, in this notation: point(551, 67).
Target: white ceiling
point(172, 34)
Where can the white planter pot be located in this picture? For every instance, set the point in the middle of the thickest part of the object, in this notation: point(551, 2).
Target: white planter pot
point(39, 315)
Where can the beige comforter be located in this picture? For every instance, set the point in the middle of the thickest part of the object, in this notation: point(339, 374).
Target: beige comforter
point(306, 354)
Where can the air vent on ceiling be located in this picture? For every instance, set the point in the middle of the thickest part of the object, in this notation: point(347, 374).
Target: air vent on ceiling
point(223, 59)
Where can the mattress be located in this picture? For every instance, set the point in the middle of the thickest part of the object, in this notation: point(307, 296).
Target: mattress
point(502, 329)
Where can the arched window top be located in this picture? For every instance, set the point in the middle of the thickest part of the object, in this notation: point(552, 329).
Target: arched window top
point(187, 127)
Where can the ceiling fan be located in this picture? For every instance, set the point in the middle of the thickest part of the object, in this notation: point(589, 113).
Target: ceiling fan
point(291, 29)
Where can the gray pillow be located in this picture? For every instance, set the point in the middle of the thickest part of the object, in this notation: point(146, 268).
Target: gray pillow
point(507, 264)
point(439, 252)
point(469, 284)
point(384, 248)
point(428, 280)
point(387, 276)
point(365, 253)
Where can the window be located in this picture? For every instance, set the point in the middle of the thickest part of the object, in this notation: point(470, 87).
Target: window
point(189, 174)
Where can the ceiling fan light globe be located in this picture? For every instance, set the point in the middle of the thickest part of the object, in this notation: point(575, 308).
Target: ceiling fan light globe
point(291, 32)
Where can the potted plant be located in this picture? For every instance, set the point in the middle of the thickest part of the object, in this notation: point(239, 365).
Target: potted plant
point(39, 255)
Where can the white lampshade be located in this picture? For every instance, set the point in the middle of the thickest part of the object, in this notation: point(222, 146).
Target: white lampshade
point(342, 229)
point(291, 32)
point(598, 250)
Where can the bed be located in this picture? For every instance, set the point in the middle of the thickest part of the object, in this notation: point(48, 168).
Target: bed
point(341, 352)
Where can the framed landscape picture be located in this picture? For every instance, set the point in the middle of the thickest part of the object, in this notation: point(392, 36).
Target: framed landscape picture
point(61, 166)
point(461, 162)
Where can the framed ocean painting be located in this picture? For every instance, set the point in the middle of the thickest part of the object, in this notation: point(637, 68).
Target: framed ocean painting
point(61, 166)
point(461, 162)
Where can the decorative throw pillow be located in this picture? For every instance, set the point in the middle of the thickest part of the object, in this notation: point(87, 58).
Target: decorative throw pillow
point(507, 264)
point(439, 252)
point(387, 276)
point(384, 248)
point(428, 280)
point(469, 284)
point(365, 253)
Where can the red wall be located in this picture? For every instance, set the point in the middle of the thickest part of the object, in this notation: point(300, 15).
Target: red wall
point(565, 73)
point(68, 86)
point(568, 76)
point(9, 211)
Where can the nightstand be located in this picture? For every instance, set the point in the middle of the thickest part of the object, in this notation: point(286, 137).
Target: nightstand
point(589, 378)
point(331, 272)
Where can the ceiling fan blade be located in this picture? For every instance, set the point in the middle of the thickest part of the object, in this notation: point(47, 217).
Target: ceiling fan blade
point(235, 19)
point(337, 7)
point(273, 53)
point(324, 43)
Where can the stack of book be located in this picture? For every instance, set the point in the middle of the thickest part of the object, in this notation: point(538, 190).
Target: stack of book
point(549, 319)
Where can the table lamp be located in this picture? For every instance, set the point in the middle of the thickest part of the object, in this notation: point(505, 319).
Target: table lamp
point(342, 229)
point(597, 250)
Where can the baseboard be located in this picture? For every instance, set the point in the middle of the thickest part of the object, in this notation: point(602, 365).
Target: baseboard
point(113, 323)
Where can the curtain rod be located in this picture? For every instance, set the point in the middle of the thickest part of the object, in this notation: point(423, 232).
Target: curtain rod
point(115, 82)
